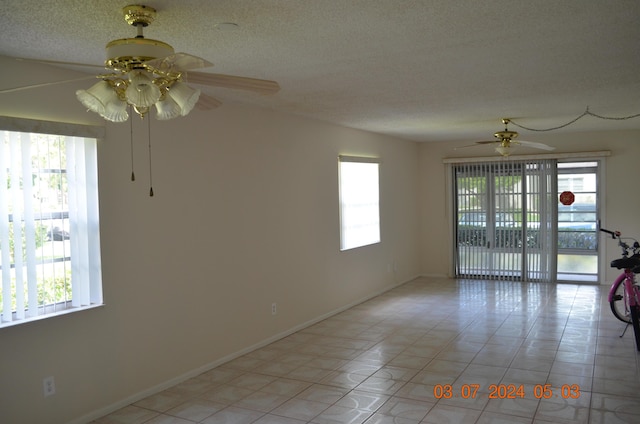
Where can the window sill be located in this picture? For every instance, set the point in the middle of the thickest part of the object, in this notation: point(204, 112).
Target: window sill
point(48, 315)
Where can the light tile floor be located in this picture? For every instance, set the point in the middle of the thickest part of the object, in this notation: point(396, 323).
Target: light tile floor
point(394, 358)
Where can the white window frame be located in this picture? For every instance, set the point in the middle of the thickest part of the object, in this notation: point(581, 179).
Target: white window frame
point(23, 279)
point(359, 194)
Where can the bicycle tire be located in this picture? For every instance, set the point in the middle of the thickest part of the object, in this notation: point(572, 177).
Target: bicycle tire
point(635, 312)
point(619, 304)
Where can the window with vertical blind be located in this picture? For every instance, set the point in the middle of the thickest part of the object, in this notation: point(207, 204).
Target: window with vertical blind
point(506, 218)
point(49, 224)
point(359, 201)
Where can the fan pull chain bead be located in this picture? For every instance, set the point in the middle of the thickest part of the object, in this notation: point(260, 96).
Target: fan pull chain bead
point(150, 172)
point(133, 175)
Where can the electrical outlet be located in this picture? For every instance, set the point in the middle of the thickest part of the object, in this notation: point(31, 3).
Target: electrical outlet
point(49, 386)
point(274, 308)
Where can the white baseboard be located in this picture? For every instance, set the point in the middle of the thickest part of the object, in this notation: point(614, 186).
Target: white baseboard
point(195, 372)
point(436, 276)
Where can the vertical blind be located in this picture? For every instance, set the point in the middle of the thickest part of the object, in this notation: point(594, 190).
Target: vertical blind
point(49, 225)
point(505, 215)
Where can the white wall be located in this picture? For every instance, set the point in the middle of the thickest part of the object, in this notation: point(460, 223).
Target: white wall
point(245, 213)
point(620, 202)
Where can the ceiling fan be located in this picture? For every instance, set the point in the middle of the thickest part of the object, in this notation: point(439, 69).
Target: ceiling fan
point(505, 139)
point(143, 73)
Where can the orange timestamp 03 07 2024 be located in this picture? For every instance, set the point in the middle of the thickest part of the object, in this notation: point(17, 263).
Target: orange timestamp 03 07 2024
point(506, 391)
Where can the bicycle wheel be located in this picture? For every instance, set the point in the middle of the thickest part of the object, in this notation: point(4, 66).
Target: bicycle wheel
point(635, 311)
point(620, 304)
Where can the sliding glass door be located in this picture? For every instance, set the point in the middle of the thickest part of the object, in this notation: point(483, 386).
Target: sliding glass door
point(505, 216)
point(577, 222)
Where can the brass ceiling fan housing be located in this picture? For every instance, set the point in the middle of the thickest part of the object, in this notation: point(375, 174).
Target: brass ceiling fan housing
point(506, 135)
point(126, 54)
point(505, 138)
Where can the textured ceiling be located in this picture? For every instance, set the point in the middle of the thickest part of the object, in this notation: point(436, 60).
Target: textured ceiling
point(425, 70)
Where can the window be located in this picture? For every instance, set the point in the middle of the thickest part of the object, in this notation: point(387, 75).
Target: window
point(359, 201)
point(49, 227)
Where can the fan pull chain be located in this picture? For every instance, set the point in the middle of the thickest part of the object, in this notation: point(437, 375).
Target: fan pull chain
point(133, 175)
point(150, 172)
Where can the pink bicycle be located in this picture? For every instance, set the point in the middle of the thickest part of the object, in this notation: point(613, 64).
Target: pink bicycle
point(624, 295)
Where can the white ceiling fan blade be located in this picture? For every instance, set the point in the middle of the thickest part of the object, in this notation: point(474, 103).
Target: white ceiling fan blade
point(467, 146)
point(59, 62)
point(178, 62)
point(232, 81)
point(45, 84)
point(206, 102)
point(534, 145)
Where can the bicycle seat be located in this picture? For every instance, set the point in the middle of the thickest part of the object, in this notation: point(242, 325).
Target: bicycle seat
point(626, 263)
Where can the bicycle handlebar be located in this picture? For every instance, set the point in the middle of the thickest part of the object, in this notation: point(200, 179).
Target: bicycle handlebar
point(626, 249)
point(614, 234)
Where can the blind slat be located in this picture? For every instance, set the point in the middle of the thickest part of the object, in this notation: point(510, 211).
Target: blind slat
point(18, 239)
point(30, 231)
point(5, 248)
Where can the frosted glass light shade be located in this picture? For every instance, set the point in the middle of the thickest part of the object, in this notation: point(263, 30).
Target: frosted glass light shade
point(97, 97)
point(185, 96)
point(141, 90)
point(116, 111)
point(110, 98)
point(167, 109)
point(503, 150)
